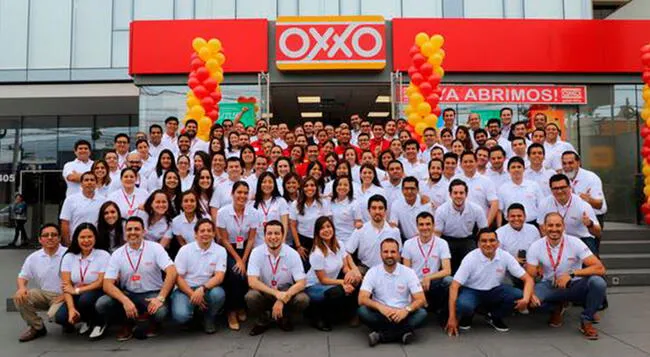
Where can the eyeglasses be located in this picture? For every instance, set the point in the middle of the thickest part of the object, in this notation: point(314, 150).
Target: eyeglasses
point(560, 188)
point(49, 235)
point(122, 142)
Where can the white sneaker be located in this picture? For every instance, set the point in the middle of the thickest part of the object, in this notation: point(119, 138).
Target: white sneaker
point(97, 332)
point(83, 328)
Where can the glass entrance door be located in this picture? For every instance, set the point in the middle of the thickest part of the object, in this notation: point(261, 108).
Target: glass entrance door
point(44, 192)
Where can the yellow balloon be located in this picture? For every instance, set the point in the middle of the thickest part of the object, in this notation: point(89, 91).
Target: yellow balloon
point(646, 94)
point(419, 127)
point(415, 99)
point(437, 40)
point(424, 108)
point(192, 101)
point(197, 112)
point(427, 49)
point(647, 122)
point(198, 43)
point(212, 65)
point(439, 71)
point(204, 53)
point(221, 58)
point(647, 181)
point(421, 38)
point(217, 76)
point(214, 45)
point(204, 124)
point(646, 171)
point(442, 53)
point(413, 118)
point(408, 110)
point(646, 191)
point(435, 59)
point(645, 114)
point(431, 120)
point(410, 90)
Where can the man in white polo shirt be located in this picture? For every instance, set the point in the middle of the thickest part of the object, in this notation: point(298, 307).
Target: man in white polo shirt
point(585, 184)
point(496, 170)
point(481, 190)
point(429, 256)
point(391, 299)
point(456, 221)
point(478, 282)
point(366, 240)
point(517, 236)
point(555, 146)
point(170, 137)
point(393, 186)
point(413, 166)
point(404, 210)
point(222, 195)
point(201, 267)
point(81, 207)
point(137, 267)
point(72, 170)
point(277, 279)
point(519, 190)
point(41, 267)
point(579, 217)
point(571, 273)
point(536, 171)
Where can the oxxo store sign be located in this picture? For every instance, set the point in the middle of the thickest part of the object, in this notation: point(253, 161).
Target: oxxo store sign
point(330, 43)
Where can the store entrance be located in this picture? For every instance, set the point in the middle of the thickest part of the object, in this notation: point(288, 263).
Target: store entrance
point(44, 192)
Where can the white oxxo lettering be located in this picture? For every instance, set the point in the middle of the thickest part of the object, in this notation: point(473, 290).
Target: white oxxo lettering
point(312, 42)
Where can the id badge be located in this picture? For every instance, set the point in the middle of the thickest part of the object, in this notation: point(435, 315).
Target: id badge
point(425, 270)
point(136, 281)
point(240, 242)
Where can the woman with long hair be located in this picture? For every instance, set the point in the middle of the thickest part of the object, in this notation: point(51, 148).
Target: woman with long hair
point(165, 163)
point(236, 230)
point(328, 294)
point(276, 153)
point(172, 188)
point(344, 208)
point(282, 168)
point(233, 145)
point(446, 137)
point(104, 183)
point(330, 160)
point(216, 145)
point(203, 186)
point(342, 170)
point(291, 187)
point(396, 148)
point(82, 276)
point(201, 160)
point(247, 155)
point(298, 159)
point(303, 214)
point(129, 198)
point(369, 186)
point(157, 216)
point(315, 169)
point(183, 164)
point(183, 224)
point(110, 226)
point(385, 158)
point(404, 136)
point(270, 204)
point(462, 134)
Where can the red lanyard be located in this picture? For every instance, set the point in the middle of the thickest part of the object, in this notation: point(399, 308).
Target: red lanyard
point(426, 257)
point(555, 264)
point(265, 210)
point(204, 205)
point(137, 265)
point(82, 273)
point(567, 208)
point(274, 268)
point(239, 224)
point(126, 198)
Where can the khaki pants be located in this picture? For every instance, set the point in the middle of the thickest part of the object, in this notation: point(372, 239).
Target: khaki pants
point(260, 305)
point(38, 300)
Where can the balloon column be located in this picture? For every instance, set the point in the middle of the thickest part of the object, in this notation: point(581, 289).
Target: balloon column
point(645, 132)
point(204, 80)
point(424, 90)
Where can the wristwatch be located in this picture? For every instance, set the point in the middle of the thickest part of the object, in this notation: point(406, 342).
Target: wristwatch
point(572, 274)
point(205, 288)
point(161, 298)
point(76, 291)
point(408, 309)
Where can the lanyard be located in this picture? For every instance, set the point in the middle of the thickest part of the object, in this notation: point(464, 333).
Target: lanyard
point(274, 268)
point(137, 265)
point(204, 205)
point(426, 257)
point(567, 208)
point(126, 198)
point(238, 222)
point(555, 264)
point(82, 273)
point(265, 210)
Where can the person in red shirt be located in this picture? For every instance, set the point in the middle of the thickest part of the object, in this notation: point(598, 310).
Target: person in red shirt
point(344, 142)
point(378, 139)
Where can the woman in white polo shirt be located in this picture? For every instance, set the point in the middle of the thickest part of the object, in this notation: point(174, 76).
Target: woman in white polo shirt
point(370, 186)
point(183, 224)
point(303, 215)
point(157, 216)
point(203, 186)
point(104, 183)
point(110, 225)
point(328, 294)
point(236, 228)
point(345, 216)
point(270, 204)
point(82, 275)
point(165, 163)
point(172, 188)
point(129, 198)
point(183, 163)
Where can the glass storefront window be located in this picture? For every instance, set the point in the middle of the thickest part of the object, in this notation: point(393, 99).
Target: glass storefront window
point(39, 143)
point(107, 126)
point(71, 129)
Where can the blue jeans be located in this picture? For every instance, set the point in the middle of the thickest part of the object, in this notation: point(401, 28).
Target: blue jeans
point(316, 292)
point(591, 243)
point(499, 301)
point(85, 304)
point(111, 309)
point(389, 330)
point(438, 294)
point(183, 310)
point(588, 291)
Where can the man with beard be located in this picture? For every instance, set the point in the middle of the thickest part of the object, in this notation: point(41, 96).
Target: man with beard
point(480, 137)
point(404, 209)
point(134, 161)
point(391, 298)
point(355, 127)
point(184, 144)
point(277, 279)
point(497, 173)
point(536, 171)
point(539, 121)
point(494, 129)
point(481, 189)
point(480, 275)
point(585, 184)
point(482, 159)
point(430, 138)
point(196, 144)
point(391, 129)
point(436, 186)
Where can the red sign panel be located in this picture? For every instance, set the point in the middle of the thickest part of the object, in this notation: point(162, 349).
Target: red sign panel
point(164, 47)
point(532, 46)
point(330, 43)
point(485, 94)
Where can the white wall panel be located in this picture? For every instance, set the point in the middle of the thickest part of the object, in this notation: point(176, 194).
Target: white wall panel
point(120, 49)
point(483, 8)
point(91, 37)
point(215, 9)
point(418, 8)
point(123, 14)
point(287, 7)
point(387, 8)
point(183, 9)
point(256, 9)
point(13, 34)
point(50, 23)
point(544, 9)
point(154, 9)
point(514, 9)
point(350, 7)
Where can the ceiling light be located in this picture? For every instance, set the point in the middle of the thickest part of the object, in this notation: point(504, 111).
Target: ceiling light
point(309, 99)
point(378, 114)
point(267, 115)
point(382, 99)
point(311, 114)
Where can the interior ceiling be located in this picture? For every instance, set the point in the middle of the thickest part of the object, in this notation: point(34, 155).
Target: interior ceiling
point(337, 103)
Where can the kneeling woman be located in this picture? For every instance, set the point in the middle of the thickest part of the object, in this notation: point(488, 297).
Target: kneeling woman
point(329, 295)
point(82, 275)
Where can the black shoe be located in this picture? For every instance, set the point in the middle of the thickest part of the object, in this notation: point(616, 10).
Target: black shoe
point(258, 330)
point(497, 323)
point(67, 328)
point(323, 325)
point(374, 338)
point(285, 324)
point(407, 338)
point(465, 323)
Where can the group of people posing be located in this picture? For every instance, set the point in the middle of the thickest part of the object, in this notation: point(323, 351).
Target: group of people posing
point(347, 223)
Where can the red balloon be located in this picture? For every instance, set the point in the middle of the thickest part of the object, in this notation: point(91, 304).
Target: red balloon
point(646, 142)
point(213, 114)
point(433, 99)
point(409, 128)
point(196, 63)
point(210, 84)
point(216, 96)
point(645, 48)
point(647, 219)
point(200, 92)
point(645, 132)
point(194, 56)
point(202, 74)
point(646, 76)
point(426, 88)
point(438, 91)
point(207, 103)
point(426, 69)
point(417, 78)
point(412, 70)
point(192, 82)
point(646, 59)
point(414, 50)
point(437, 111)
point(434, 79)
point(645, 209)
point(418, 60)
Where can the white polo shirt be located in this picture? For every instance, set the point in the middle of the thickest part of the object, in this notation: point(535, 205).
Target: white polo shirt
point(417, 169)
point(186, 182)
point(542, 177)
point(80, 167)
point(587, 181)
point(160, 229)
point(331, 264)
point(497, 178)
point(478, 272)
point(78, 209)
point(85, 270)
point(438, 193)
point(459, 224)
point(181, 226)
point(236, 227)
point(480, 190)
point(512, 240)
point(573, 254)
point(287, 267)
point(553, 153)
point(571, 212)
point(128, 204)
point(344, 213)
point(527, 193)
point(393, 192)
point(366, 241)
point(269, 210)
point(392, 289)
point(43, 269)
point(405, 215)
point(169, 142)
point(199, 145)
point(364, 197)
point(123, 265)
point(426, 258)
point(311, 213)
point(197, 265)
point(222, 196)
point(327, 192)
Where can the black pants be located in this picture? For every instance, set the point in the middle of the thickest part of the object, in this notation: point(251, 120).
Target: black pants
point(306, 243)
point(236, 284)
point(20, 229)
point(459, 247)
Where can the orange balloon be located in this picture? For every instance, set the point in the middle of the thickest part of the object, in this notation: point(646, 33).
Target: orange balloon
point(419, 128)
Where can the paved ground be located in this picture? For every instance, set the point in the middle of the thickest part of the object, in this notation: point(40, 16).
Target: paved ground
point(624, 332)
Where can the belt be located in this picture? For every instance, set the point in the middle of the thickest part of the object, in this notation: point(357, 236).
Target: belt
point(446, 237)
